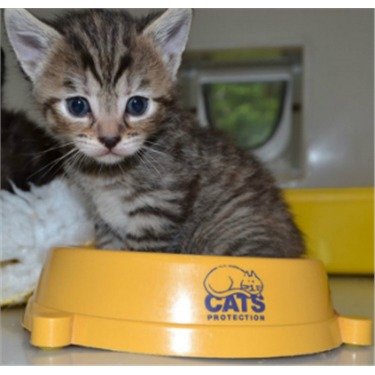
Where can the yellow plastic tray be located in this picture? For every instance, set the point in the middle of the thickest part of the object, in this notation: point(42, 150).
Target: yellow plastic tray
point(187, 305)
point(338, 225)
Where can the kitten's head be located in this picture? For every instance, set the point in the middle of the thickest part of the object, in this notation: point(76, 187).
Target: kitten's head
point(103, 79)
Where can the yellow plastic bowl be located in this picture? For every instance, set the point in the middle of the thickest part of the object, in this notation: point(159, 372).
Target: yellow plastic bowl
point(187, 305)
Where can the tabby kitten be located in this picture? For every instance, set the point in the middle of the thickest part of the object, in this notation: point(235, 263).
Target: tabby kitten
point(156, 180)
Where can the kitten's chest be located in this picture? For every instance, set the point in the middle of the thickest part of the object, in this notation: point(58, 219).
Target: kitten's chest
point(109, 200)
point(111, 206)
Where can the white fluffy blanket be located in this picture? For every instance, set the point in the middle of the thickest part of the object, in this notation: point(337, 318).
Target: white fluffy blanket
point(31, 224)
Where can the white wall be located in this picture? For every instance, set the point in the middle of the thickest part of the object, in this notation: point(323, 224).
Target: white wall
point(338, 93)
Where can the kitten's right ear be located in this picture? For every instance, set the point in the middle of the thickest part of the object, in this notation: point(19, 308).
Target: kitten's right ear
point(30, 38)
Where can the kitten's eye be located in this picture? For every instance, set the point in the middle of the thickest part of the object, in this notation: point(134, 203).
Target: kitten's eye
point(78, 106)
point(136, 105)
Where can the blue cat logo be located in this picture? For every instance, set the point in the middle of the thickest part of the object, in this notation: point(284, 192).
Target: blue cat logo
point(233, 293)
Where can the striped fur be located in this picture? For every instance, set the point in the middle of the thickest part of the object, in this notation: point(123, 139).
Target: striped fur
point(169, 185)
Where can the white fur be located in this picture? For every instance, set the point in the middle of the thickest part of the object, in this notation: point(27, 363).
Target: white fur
point(34, 222)
point(111, 208)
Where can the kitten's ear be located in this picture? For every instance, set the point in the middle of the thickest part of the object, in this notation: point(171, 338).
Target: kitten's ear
point(30, 38)
point(170, 33)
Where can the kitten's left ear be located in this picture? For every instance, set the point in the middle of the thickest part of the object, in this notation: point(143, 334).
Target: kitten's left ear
point(31, 40)
point(170, 33)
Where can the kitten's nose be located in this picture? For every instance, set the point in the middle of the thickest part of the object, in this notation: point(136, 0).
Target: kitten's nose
point(109, 142)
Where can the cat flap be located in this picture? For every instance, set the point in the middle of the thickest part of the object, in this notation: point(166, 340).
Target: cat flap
point(31, 40)
point(170, 33)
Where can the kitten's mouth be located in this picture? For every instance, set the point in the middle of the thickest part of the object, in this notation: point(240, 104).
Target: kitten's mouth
point(109, 157)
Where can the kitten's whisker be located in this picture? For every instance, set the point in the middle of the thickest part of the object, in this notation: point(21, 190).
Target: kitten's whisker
point(119, 165)
point(157, 146)
point(57, 147)
point(81, 159)
point(138, 155)
point(150, 161)
point(148, 148)
point(59, 167)
point(52, 164)
point(145, 163)
point(46, 172)
point(76, 159)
